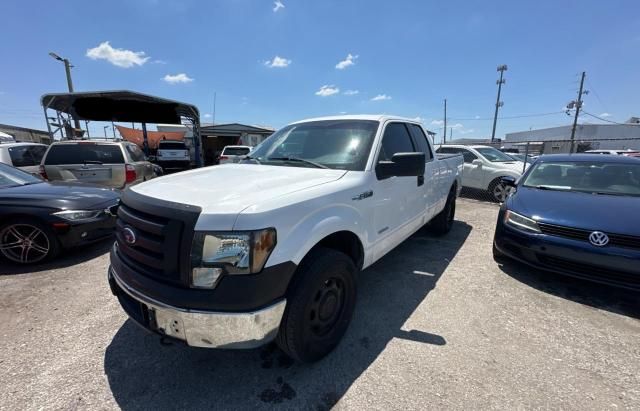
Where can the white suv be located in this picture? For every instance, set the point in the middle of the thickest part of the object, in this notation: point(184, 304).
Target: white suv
point(233, 154)
point(484, 166)
point(25, 156)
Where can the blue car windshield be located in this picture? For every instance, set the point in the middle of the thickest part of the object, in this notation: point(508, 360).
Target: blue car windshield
point(597, 177)
point(12, 177)
point(338, 144)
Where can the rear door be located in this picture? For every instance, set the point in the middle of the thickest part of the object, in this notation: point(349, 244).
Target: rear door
point(87, 162)
point(432, 182)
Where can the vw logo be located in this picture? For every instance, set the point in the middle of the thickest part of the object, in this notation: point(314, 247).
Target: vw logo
point(130, 235)
point(598, 238)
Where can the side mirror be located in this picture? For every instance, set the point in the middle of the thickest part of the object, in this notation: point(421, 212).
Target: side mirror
point(401, 165)
point(508, 181)
point(477, 162)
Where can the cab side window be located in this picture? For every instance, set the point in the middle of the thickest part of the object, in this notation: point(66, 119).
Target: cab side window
point(135, 153)
point(396, 139)
point(421, 140)
point(468, 156)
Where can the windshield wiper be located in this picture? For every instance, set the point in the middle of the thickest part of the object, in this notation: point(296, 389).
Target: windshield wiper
point(299, 160)
point(252, 158)
point(552, 187)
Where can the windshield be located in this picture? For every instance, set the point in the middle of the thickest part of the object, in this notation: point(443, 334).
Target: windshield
point(338, 144)
point(493, 154)
point(12, 177)
point(589, 177)
point(172, 145)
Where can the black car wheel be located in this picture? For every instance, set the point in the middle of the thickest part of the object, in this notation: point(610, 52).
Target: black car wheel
point(27, 242)
point(320, 304)
point(442, 223)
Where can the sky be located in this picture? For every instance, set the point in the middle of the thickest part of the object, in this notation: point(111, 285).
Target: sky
point(274, 62)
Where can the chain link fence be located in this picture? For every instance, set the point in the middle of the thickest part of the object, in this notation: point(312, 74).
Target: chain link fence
point(486, 162)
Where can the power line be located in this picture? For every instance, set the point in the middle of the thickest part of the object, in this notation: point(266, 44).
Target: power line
point(507, 117)
point(591, 88)
point(608, 121)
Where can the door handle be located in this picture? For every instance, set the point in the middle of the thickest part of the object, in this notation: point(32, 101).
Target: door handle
point(420, 180)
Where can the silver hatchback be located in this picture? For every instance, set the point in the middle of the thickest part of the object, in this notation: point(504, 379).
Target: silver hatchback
point(108, 163)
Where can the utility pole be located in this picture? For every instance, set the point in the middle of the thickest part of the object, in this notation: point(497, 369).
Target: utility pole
point(444, 138)
point(578, 105)
point(67, 69)
point(213, 118)
point(113, 128)
point(499, 103)
point(105, 132)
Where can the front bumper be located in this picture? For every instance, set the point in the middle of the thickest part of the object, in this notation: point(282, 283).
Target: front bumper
point(81, 233)
point(237, 330)
point(619, 267)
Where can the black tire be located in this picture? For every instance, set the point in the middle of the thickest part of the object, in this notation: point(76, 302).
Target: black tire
point(497, 191)
point(442, 223)
point(320, 303)
point(27, 241)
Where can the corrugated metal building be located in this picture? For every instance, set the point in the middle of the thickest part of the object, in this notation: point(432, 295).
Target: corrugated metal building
point(27, 135)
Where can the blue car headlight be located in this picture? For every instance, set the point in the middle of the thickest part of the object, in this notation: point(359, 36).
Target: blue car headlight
point(520, 222)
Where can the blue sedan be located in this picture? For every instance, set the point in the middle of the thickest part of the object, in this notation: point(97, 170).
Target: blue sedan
point(577, 215)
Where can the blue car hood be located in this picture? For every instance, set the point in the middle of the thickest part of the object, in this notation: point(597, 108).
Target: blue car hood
point(613, 214)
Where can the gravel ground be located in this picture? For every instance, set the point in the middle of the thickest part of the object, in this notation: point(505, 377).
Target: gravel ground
point(438, 325)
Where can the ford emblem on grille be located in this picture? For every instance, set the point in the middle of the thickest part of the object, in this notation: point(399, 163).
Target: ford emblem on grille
point(130, 235)
point(598, 238)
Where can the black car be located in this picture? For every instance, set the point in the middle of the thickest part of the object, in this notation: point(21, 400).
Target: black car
point(38, 218)
point(576, 215)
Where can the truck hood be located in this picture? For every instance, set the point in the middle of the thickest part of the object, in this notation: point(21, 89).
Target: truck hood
point(512, 165)
point(230, 188)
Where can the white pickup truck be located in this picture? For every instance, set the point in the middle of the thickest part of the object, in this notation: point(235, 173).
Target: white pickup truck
point(237, 255)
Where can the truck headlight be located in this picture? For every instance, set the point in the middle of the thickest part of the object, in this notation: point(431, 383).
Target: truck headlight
point(521, 222)
point(231, 252)
point(79, 215)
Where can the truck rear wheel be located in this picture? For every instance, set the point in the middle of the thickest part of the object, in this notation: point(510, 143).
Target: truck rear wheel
point(442, 223)
point(320, 304)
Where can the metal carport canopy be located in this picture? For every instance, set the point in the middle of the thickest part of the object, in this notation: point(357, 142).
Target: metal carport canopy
point(120, 106)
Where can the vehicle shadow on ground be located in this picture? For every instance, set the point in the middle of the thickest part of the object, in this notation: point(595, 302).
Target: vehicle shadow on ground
point(604, 297)
point(142, 373)
point(67, 258)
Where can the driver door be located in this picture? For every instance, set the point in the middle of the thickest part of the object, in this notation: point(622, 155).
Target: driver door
point(398, 208)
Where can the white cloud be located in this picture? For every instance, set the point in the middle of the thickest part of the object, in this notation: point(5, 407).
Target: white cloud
point(437, 123)
point(177, 78)
point(605, 115)
point(349, 61)
point(456, 126)
point(158, 62)
point(277, 62)
point(117, 57)
point(327, 90)
point(207, 115)
point(466, 131)
point(277, 5)
point(381, 97)
point(477, 117)
point(350, 92)
point(418, 118)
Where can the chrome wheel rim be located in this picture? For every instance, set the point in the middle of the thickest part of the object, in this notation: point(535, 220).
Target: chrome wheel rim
point(24, 243)
point(500, 192)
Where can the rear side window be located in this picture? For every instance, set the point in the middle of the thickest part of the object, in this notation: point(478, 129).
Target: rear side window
point(236, 151)
point(84, 153)
point(24, 156)
point(396, 139)
point(421, 140)
point(135, 153)
point(448, 150)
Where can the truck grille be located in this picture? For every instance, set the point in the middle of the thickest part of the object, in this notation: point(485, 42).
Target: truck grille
point(154, 238)
point(618, 240)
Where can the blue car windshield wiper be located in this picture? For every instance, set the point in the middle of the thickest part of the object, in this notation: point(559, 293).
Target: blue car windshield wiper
point(552, 187)
point(299, 160)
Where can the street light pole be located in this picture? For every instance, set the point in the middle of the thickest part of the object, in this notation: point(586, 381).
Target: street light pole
point(67, 69)
point(105, 131)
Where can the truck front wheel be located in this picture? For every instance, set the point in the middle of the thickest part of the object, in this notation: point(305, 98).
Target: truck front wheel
point(320, 304)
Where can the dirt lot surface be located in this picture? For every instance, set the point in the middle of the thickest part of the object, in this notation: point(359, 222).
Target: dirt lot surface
point(438, 325)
